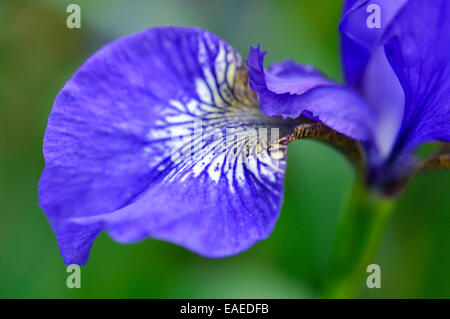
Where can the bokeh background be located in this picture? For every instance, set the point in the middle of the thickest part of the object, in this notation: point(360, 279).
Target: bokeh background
point(38, 53)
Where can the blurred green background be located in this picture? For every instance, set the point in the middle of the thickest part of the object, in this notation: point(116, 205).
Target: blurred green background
point(38, 53)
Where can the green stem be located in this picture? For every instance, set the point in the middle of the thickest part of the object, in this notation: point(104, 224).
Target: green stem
point(356, 244)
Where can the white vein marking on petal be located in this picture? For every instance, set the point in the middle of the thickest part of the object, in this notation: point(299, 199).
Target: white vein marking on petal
point(226, 144)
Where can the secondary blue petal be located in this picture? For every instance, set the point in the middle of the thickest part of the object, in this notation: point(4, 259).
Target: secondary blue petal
point(359, 41)
point(112, 162)
point(367, 69)
point(418, 48)
point(290, 90)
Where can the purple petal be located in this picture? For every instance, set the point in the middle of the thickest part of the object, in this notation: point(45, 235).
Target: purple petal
point(291, 90)
point(366, 67)
point(112, 162)
point(359, 41)
point(418, 48)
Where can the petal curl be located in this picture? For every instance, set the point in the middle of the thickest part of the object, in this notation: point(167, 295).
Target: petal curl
point(112, 162)
point(367, 69)
point(418, 48)
point(291, 90)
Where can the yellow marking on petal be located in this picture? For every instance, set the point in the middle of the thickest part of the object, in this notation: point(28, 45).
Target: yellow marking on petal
point(318, 131)
point(233, 138)
point(277, 155)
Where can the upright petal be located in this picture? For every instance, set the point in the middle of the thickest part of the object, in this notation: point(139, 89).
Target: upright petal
point(158, 134)
point(291, 90)
point(366, 67)
point(418, 48)
point(359, 41)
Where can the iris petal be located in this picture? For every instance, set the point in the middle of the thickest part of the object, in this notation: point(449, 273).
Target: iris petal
point(138, 143)
point(418, 48)
point(359, 41)
point(367, 69)
point(291, 90)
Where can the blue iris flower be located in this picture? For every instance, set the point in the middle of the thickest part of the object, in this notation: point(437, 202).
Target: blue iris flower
point(401, 70)
point(112, 162)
